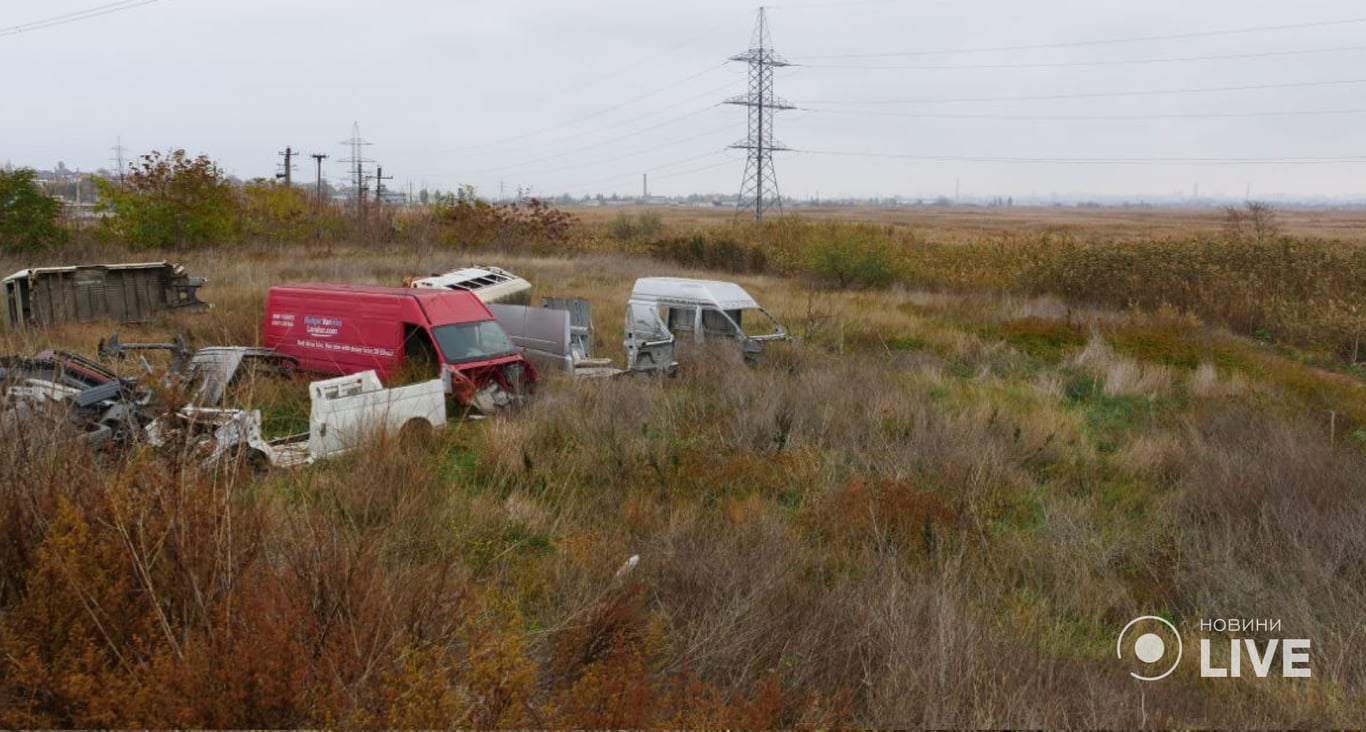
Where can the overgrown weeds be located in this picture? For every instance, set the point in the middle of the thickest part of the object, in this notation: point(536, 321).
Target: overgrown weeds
point(936, 510)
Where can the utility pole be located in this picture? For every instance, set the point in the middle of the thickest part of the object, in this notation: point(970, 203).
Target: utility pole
point(759, 188)
point(288, 174)
point(644, 187)
point(319, 158)
point(380, 177)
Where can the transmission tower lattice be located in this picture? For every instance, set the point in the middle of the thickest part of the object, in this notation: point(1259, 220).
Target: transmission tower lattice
point(759, 188)
point(356, 163)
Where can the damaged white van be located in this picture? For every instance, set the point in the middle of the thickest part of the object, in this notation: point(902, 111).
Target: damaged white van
point(702, 310)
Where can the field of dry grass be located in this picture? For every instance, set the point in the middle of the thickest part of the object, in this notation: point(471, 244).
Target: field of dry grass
point(962, 223)
point(937, 508)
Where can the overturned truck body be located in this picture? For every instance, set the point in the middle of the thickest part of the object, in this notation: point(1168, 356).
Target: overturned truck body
point(123, 292)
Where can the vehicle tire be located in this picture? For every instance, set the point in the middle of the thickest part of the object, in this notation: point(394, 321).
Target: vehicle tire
point(257, 462)
point(416, 433)
point(251, 462)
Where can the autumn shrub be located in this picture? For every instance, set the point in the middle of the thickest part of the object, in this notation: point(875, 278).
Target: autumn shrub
point(28, 216)
point(532, 226)
point(856, 259)
point(281, 214)
point(170, 201)
point(711, 251)
point(644, 225)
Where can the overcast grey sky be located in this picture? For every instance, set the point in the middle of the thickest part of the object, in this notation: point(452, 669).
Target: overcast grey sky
point(584, 97)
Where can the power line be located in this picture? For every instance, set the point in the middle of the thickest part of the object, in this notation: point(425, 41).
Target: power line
point(597, 145)
point(75, 16)
point(1287, 160)
point(598, 113)
point(604, 161)
point(1089, 117)
point(665, 166)
point(1095, 95)
point(559, 141)
point(635, 67)
point(690, 171)
point(851, 4)
point(1099, 42)
point(1071, 64)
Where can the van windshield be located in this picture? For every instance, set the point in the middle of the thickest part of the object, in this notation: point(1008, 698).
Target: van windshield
point(472, 341)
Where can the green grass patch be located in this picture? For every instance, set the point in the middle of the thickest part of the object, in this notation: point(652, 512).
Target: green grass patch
point(458, 465)
point(899, 343)
point(1047, 340)
point(282, 418)
point(1178, 348)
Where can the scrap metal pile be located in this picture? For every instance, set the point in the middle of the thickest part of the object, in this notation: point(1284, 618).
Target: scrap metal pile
point(473, 326)
point(58, 391)
point(62, 394)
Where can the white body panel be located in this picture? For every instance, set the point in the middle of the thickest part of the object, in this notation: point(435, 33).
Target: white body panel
point(490, 284)
point(346, 412)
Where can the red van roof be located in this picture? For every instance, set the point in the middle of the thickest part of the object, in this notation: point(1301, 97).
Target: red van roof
point(442, 306)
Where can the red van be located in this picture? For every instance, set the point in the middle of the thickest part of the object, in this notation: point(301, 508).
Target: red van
point(346, 329)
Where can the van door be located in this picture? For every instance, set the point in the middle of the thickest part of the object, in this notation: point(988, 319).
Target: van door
point(716, 324)
point(649, 344)
point(682, 321)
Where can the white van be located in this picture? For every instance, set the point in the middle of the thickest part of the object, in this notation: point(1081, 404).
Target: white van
point(702, 310)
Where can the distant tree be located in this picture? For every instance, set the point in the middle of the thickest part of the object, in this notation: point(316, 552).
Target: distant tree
point(28, 216)
point(1255, 220)
point(170, 200)
point(276, 212)
point(851, 259)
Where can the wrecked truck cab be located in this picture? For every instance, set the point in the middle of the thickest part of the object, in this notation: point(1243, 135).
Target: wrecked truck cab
point(702, 310)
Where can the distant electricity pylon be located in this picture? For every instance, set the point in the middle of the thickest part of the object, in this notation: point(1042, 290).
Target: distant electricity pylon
point(357, 163)
point(118, 160)
point(759, 189)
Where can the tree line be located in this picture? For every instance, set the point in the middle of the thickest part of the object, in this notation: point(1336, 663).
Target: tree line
point(175, 201)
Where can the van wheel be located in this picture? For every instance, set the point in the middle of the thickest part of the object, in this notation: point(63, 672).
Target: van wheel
point(251, 462)
point(416, 433)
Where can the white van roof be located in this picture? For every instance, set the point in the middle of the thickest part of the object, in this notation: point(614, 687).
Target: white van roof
point(724, 295)
point(490, 284)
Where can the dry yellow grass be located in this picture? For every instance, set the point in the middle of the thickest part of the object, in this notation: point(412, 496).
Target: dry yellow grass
point(963, 223)
point(935, 510)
